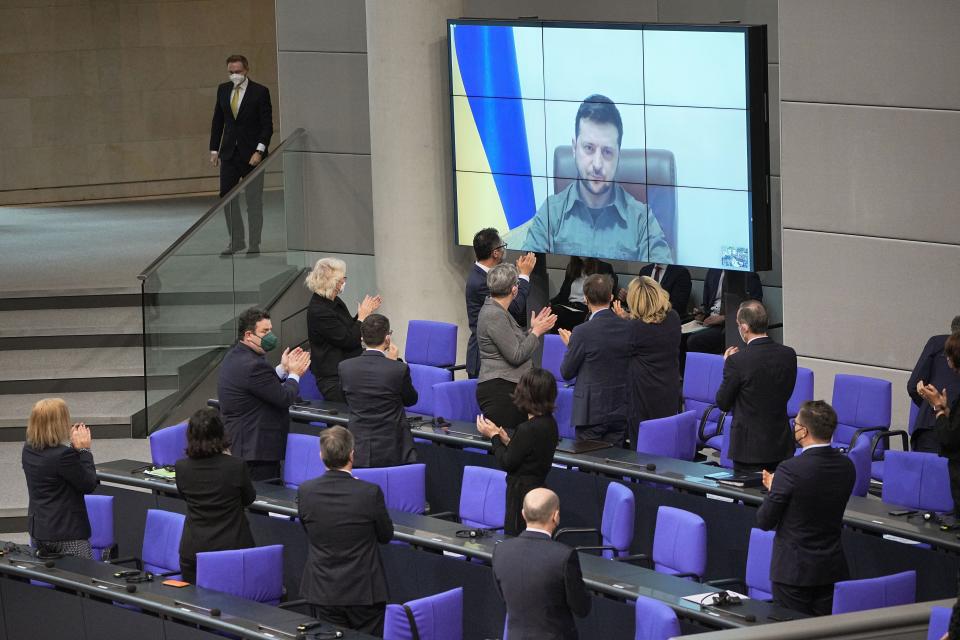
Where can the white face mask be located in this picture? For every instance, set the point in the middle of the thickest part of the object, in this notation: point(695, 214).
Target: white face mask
point(343, 287)
point(237, 78)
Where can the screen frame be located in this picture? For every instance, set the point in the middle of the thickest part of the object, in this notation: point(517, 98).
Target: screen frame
point(758, 125)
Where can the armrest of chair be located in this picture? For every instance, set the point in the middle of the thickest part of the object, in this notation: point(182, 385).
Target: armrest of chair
point(685, 575)
point(445, 515)
point(886, 435)
point(569, 530)
point(136, 561)
point(724, 582)
point(597, 548)
point(703, 422)
point(456, 367)
point(856, 434)
point(166, 574)
point(636, 557)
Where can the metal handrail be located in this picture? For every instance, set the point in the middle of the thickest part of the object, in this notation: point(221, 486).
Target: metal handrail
point(261, 169)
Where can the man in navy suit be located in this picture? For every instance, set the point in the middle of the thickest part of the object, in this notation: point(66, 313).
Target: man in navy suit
point(255, 398)
point(932, 368)
point(675, 280)
point(239, 137)
point(539, 578)
point(712, 312)
point(490, 252)
point(598, 357)
point(805, 504)
point(377, 386)
point(757, 384)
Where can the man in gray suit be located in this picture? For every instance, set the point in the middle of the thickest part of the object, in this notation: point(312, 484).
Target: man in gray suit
point(377, 386)
point(599, 358)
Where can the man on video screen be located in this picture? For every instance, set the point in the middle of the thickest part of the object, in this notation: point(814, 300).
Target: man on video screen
point(595, 216)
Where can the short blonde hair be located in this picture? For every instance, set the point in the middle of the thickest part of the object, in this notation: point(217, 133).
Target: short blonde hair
point(49, 424)
point(325, 276)
point(647, 300)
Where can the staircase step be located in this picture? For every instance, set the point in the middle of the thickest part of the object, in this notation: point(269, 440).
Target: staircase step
point(95, 408)
point(71, 322)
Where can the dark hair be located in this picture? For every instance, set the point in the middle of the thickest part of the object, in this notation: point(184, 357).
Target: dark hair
point(753, 314)
point(239, 58)
point(485, 242)
point(578, 266)
point(336, 445)
point(952, 349)
point(819, 418)
point(536, 392)
point(248, 320)
point(205, 435)
point(598, 288)
point(374, 330)
point(601, 110)
point(955, 325)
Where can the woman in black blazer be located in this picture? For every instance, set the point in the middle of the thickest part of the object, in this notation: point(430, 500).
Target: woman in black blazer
point(569, 305)
point(528, 455)
point(58, 476)
point(655, 346)
point(334, 334)
point(216, 487)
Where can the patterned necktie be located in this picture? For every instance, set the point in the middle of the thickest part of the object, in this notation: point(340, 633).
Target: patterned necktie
point(235, 101)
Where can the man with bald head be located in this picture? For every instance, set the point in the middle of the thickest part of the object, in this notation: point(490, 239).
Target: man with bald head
point(757, 384)
point(539, 578)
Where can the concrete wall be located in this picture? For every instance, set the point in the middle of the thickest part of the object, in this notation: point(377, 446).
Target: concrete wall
point(870, 122)
point(109, 98)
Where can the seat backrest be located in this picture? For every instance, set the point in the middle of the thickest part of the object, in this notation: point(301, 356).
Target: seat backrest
point(655, 620)
point(680, 542)
point(302, 459)
point(802, 391)
point(308, 387)
point(483, 497)
point(616, 525)
point(939, 622)
point(431, 343)
point(456, 400)
point(917, 480)
point(759, 554)
point(438, 617)
point(161, 541)
point(100, 514)
point(860, 457)
point(169, 444)
point(673, 436)
point(563, 413)
point(649, 175)
point(553, 352)
point(255, 574)
point(860, 401)
point(404, 487)
point(702, 376)
point(424, 377)
point(875, 593)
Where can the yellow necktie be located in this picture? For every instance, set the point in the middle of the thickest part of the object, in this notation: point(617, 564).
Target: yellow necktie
point(235, 101)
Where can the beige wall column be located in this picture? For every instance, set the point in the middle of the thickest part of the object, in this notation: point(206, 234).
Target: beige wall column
point(420, 272)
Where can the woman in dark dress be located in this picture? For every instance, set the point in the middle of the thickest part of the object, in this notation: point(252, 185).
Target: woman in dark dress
point(59, 470)
point(528, 455)
point(216, 487)
point(334, 334)
point(655, 366)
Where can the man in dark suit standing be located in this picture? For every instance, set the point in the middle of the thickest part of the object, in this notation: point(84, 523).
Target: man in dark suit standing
point(377, 386)
point(539, 578)
point(932, 368)
point(599, 358)
point(675, 280)
point(757, 384)
point(805, 504)
point(255, 398)
point(490, 252)
point(239, 138)
point(712, 312)
point(346, 520)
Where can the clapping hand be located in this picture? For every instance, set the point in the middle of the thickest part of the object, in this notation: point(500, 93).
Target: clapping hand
point(542, 322)
point(298, 361)
point(526, 263)
point(486, 427)
point(565, 336)
point(619, 310)
point(80, 436)
point(713, 320)
point(929, 393)
point(392, 351)
point(730, 351)
point(368, 305)
point(767, 479)
point(285, 357)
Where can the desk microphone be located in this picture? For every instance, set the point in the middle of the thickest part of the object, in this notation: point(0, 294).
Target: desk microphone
point(215, 612)
point(651, 466)
point(131, 588)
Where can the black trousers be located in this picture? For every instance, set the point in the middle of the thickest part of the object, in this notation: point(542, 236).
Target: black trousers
point(233, 171)
point(366, 618)
point(753, 467)
point(953, 468)
point(612, 432)
point(925, 440)
point(263, 469)
point(569, 318)
point(517, 489)
point(496, 403)
point(813, 601)
point(329, 387)
point(709, 340)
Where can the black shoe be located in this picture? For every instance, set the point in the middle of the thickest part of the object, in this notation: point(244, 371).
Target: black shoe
point(253, 251)
point(230, 250)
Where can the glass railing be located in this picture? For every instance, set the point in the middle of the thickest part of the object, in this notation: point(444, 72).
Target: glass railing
point(192, 293)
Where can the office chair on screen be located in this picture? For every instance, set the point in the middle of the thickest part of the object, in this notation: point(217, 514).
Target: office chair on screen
point(649, 175)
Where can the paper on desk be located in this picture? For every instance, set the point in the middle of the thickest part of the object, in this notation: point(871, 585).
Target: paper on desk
point(692, 327)
point(160, 472)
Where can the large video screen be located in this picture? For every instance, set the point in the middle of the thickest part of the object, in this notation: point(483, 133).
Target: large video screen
point(624, 142)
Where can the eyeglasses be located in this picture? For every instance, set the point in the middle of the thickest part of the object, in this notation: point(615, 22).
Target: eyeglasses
point(502, 246)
